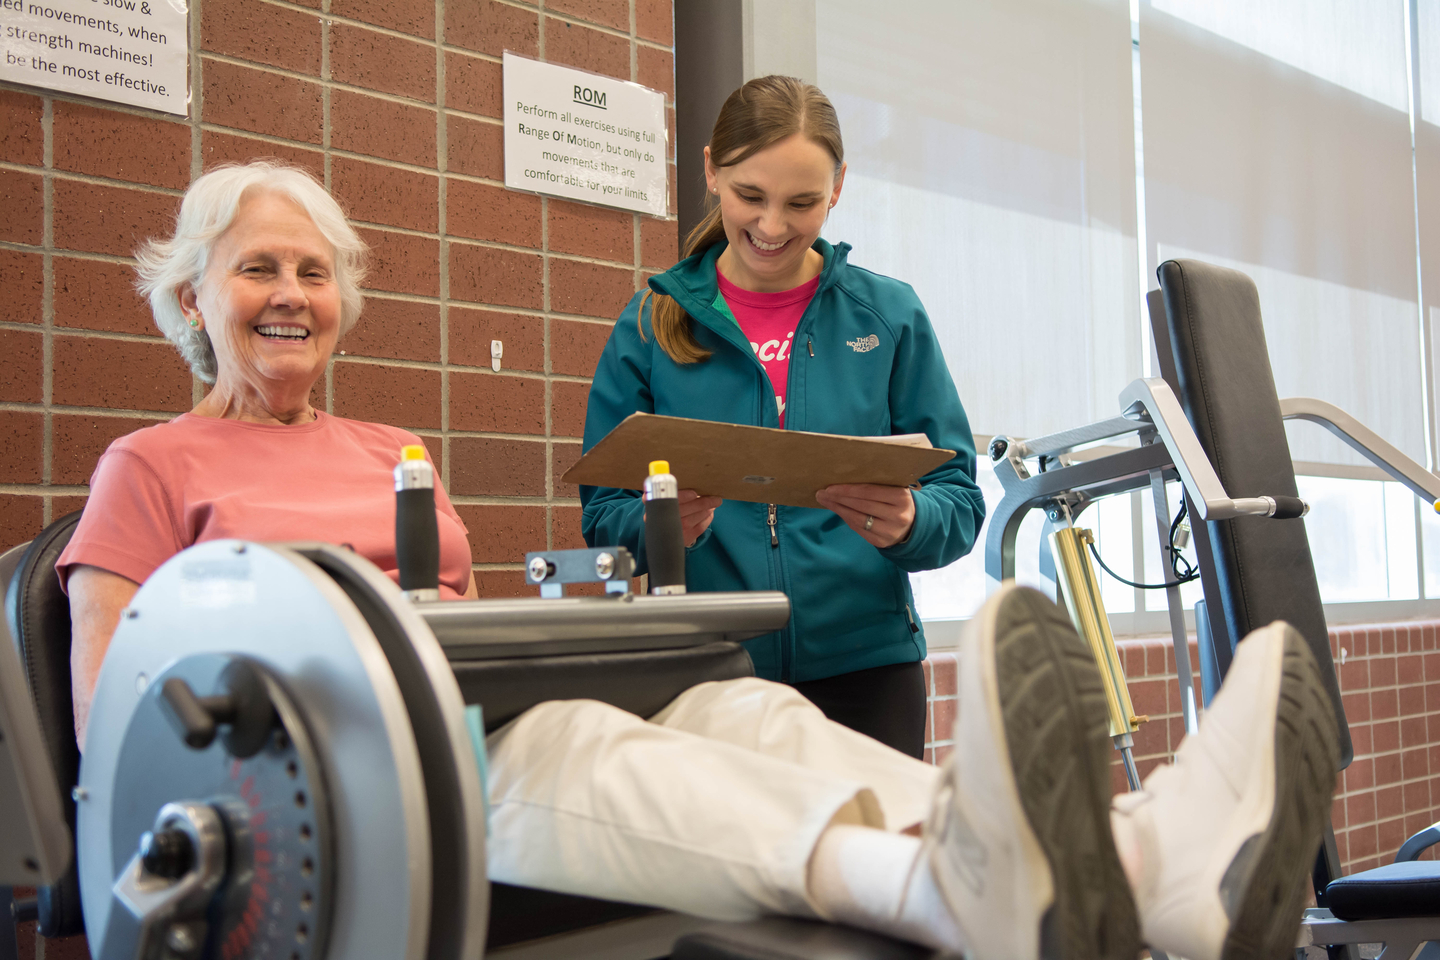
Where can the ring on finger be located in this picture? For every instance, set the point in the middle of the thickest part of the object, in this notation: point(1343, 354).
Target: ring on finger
point(869, 521)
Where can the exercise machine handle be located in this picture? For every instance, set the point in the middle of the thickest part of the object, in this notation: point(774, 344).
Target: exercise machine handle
point(417, 533)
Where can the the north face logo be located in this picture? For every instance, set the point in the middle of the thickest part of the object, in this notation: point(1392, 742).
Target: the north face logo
point(864, 344)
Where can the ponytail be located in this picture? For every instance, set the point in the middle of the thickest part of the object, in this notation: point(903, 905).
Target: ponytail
point(764, 111)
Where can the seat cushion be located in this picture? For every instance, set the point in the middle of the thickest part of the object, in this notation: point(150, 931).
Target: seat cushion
point(1394, 890)
point(782, 938)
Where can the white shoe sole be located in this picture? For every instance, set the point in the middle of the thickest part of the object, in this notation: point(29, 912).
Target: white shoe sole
point(1262, 891)
point(1049, 733)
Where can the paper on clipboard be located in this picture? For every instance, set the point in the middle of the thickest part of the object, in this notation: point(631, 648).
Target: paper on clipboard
point(755, 464)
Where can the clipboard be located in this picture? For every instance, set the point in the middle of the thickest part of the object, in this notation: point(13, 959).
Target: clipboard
point(755, 464)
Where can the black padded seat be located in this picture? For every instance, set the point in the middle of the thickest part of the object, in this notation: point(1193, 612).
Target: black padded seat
point(1394, 891)
point(785, 938)
point(37, 613)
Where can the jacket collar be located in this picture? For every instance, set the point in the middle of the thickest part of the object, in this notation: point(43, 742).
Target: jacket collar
point(692, 284)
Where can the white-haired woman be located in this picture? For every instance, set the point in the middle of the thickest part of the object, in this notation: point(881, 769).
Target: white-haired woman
point(738, 798)
point(260, 280)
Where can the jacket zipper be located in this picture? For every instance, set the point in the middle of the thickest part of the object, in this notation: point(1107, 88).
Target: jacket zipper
point(774, 540)
point(914, 627)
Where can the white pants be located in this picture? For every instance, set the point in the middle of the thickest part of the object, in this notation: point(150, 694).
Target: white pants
point(712, 808)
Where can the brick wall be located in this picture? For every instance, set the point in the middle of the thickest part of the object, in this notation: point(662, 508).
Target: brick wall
point(396, 104)
point(1390, 680)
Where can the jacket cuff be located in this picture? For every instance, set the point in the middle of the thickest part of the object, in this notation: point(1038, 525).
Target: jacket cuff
point(700, 540)
point(925, 516)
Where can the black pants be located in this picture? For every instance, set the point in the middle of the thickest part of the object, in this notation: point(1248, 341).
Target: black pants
point(887, 703)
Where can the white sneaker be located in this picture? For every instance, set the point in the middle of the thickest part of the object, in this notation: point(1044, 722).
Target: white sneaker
point(1229, 832)
point(1019, 836)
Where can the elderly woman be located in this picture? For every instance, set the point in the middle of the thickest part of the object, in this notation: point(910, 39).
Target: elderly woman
point(739, 798)
point(260, 280)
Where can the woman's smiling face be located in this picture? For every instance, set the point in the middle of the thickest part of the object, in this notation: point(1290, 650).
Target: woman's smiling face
point(773, 205)
point(269, 298)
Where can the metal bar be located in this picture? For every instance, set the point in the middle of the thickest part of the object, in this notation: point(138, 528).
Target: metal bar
point(1067, 440)
point(1125, 743)
point(1117, 473)
point(1365, 442)
point(1176, 607)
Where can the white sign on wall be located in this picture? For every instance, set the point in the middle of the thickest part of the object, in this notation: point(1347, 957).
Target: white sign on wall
point(582, 136)
point(128, 51)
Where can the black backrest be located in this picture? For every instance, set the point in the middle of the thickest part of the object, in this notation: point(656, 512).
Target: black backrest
point(1262, 569)
point(38, 615)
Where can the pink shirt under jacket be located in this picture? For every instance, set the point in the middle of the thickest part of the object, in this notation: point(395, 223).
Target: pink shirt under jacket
point(164, 488)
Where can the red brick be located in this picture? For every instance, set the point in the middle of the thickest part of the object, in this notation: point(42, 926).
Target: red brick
point(1382, 669)
point(402, 262)
point(23, 200)
point(415, 17)
point(1412, 700)
point(1355, 675)
point(115, 220)
point(378, 61)
point(382, 128)
point(563, 457)
point(484, 466)
point(473, 85)
point(1357, 706)
point(589, 289)
point(1361, 736)
point(942, 668)
point(944, 719)
point(379, 194)
point(1360, 808)
point(1360, 775)
point(575, 346)
point(476, 148)
point(491, 403)
point(22, 140)
point(22, 277)
point(565, 528)
point(78, 441)
point(1148, 697)
point(1390, 835)
point(217, 148)
point(493, 28)
point(656, 70)
point(1384, 704)
point(1410, 668)
point(263, 102)
point(22, 373)
point(395, 330)
point(21, 517)
point(1389, 802)
point(607, 13)
point(590, 231)
point(22, 447)
point(1417, 796)
point(592, 50)
point(567, 407)
point(402, 396)
point(655, 20)
point(1386, 734)
point(503, 584)
point(503, 533)
point(1152, 739)
point(503, 277)
point(522, 339)
point(120, 375)
point(482, 212)
point(1432, 666)
point(264, 33)
point(99, 295)
point(659, 242)
point(1415, 764)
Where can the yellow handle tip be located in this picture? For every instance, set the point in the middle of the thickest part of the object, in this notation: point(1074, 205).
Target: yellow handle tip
point(412, 451)
point(1436, 505)
point(659, 466)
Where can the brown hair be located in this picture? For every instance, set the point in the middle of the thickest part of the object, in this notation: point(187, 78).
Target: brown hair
point(762, 112)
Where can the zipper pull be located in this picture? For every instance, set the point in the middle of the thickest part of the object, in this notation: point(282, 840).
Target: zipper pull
point(914, 627)
point(810, 345)
point(774, 540)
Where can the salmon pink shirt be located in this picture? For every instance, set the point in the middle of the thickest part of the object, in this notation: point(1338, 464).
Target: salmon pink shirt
point(768, 321)
point(164, 488)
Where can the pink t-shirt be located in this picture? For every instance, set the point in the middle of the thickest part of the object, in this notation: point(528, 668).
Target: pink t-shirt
point(768, 321)
point(164, 488)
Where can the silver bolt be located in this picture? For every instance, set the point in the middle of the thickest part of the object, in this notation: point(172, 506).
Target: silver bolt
point(79, 794)
point(141, 682)
point(180, 939)
point(131, 613)
point(239, 548)
point(539, 569)
point(604, 565)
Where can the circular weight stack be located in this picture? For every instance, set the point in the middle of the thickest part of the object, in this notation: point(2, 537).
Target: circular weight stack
point(405, 875)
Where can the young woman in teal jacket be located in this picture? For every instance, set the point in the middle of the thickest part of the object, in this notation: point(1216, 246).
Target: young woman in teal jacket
point(764, 323)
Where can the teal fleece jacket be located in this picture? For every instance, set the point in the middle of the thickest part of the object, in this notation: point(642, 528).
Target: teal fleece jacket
point(865, 362)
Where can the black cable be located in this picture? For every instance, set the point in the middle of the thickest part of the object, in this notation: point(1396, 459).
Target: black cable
point(1190, 573)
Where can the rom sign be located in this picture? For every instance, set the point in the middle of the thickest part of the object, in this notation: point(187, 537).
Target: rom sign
point(578, 135)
